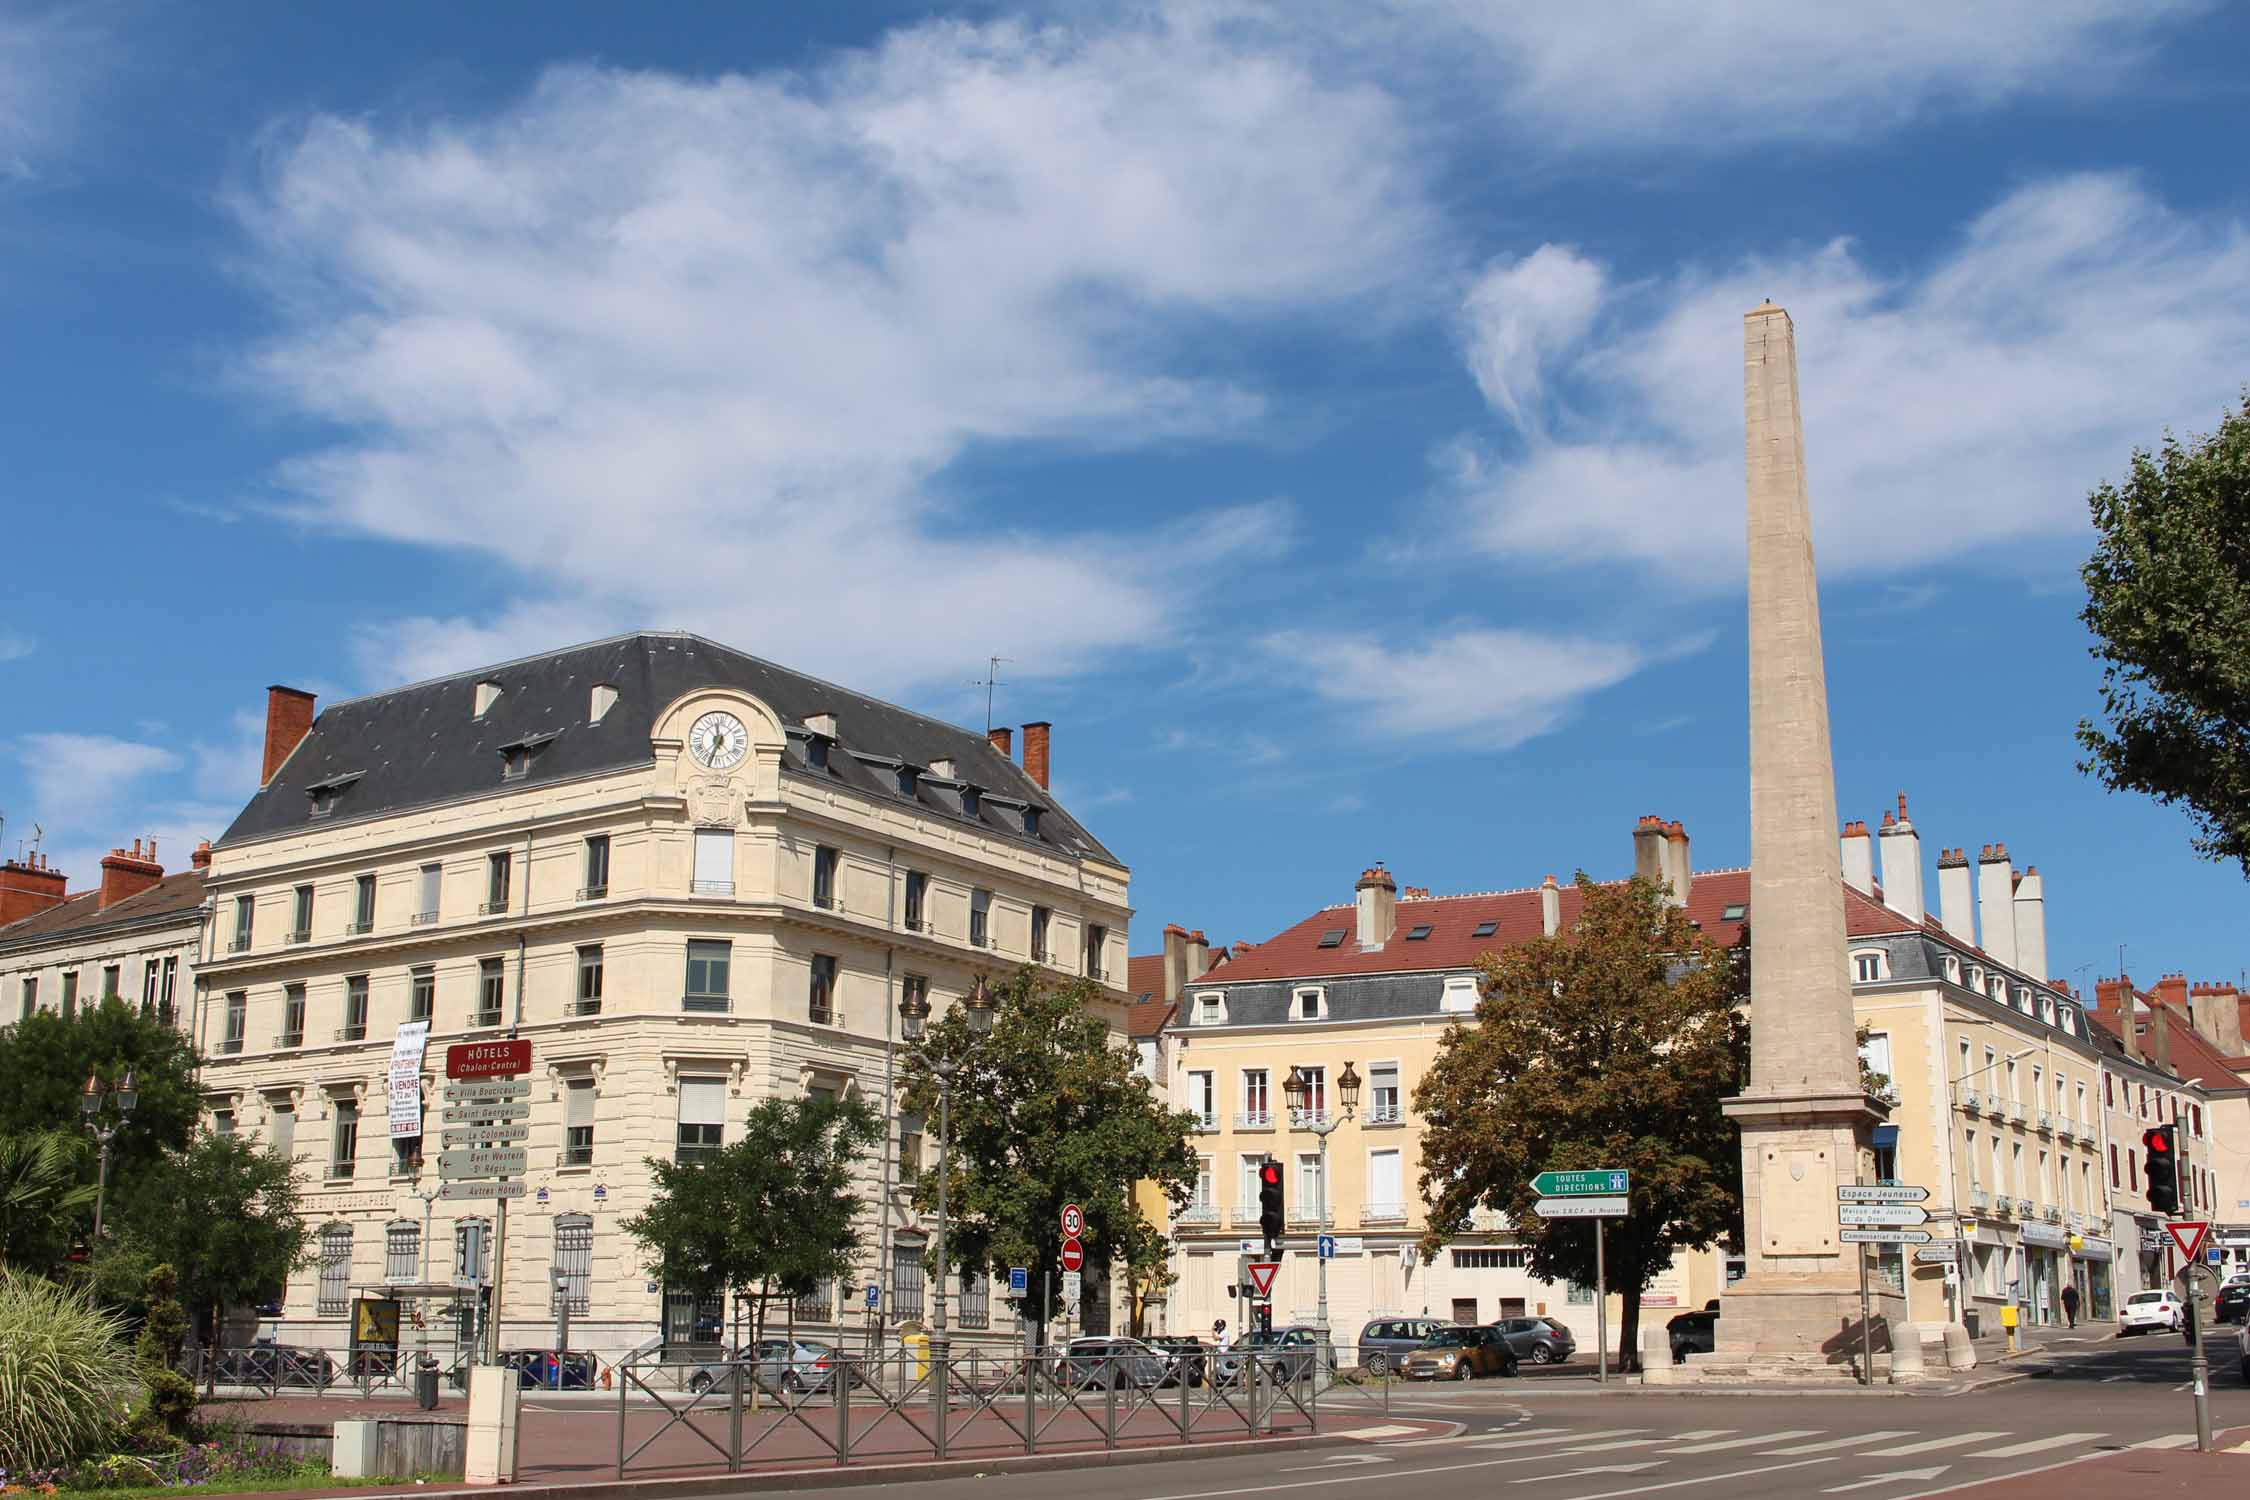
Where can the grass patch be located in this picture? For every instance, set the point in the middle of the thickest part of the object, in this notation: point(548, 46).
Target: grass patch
point(312, 1476)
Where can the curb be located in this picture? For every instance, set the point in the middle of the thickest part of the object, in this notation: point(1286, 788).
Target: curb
point(854, 1476)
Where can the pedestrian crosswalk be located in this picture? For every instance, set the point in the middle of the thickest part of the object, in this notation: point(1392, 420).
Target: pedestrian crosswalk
point(1801, 1442)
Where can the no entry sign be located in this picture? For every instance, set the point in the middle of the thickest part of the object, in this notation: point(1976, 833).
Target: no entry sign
point(1073, 1256)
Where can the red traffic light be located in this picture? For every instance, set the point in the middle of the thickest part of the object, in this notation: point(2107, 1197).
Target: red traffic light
point(2158, 1140)
point(1269, 1175)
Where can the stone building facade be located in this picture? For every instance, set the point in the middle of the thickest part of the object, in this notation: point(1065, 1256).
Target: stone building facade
point(692, 880)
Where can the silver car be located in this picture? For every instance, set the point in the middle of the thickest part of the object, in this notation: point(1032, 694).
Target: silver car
point(771, 1365)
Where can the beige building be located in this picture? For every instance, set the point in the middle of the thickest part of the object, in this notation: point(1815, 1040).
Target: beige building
point(136, 936)
point(692, 879)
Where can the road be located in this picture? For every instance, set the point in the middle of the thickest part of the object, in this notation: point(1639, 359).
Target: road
point(1566, 1440)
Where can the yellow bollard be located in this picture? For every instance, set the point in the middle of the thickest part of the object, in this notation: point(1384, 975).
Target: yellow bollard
point(2008, 1321)
point(917, 1343)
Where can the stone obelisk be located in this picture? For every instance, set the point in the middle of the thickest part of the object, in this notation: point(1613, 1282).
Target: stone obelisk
point(1805, 1120)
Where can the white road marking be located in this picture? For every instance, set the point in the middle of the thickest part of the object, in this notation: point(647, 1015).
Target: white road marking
point(1931, 1445)
point(1346, 1477)
point(1673, 1484)
point(1654, 1463)
point(2170, 1440)
point(1640, 1442)
point(1701, 1433)
point(1746, 1442)
point(1847, 1442)
point(1330, 1463)
point(1895, 1477)
point(1394, 1430)
point(2037, 1445)
point(1542, 1439)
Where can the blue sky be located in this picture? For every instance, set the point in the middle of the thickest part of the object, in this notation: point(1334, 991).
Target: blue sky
point(1332, 411)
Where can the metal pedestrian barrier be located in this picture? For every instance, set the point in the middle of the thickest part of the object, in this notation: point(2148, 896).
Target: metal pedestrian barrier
point(901, 1406)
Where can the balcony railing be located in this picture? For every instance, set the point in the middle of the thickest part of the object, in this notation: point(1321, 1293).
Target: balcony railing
point(2051, 1214)
point(352, 1033)
point(711, 887)
point(359, 929)
point(1245, 1214)
point(2046, 1123)
point(578, 1156)
point(1979, 1198)
point(240, 944)
point(491, 908)
point(231, 1044)
point(1097, 971)
point(339, 1171)
point(1206, 1122)
point(2023, 1208)
point(1384, 1114)
point(1307, 1119)
point(288, 1039)
point(1304, 1214)
point(703, 1002)
point(1253, 1119)
point(301, 935)
point(1383, 1213)
point(585, 1007)
point(1197, 1213)
point(827, 903)
point(421, 919)
point(485, 1018)
point(1969, 1100)
point(593, 892)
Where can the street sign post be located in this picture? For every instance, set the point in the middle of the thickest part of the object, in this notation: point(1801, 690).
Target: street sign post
point(1019, 1281)
point(874, 1296)
point(487, 1114)
point(1073, 1221)
point(482, 1135)
point(1888, 1237)
point(2189, 1235)
point(1881, 1213)
point(485, 1161)
point(1074, 1288)
point(1936, 1255)
point(500, 1190)
point(501, 1059)
point(1262, 1273)
point(489, 1089)
point(1328, 1247)
point(1604, 1182)
point(1073, 1256)
point(1579, 1208)
point(1880, 1192)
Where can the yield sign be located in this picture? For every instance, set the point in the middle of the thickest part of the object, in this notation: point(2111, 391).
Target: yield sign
point(1261, 1276)
point(2188, 1235)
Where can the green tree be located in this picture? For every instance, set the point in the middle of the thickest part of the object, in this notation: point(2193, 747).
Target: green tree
point(1610, 1045)
point(1047, 1110)
point(43, 1197)
point(164, 1329)
point(225, 1216)
point(773, 1214)
point(46, 1058)
point(2168, 602)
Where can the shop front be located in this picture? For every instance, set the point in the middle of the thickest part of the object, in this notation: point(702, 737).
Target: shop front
point(2046, 1264)
point(2091, 1264)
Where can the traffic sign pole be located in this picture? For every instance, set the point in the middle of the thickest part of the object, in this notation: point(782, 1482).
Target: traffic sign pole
point(1601, 1310)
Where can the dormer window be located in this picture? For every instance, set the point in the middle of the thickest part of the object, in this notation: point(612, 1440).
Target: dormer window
point(1211, 1008)
point(322, 794)
point(972, 801)
point(909, 781)
point(1334, 937)
point(1309, 1004)
point(1485, 929)
point(516, 756)
point(488, 693)
point(1735, 911)
point(1869, 965)
point(1952, 969)
point(1419, 932)
point(1460, 993)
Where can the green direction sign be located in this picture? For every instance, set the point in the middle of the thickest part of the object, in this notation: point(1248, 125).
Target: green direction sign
point(1605, 1183)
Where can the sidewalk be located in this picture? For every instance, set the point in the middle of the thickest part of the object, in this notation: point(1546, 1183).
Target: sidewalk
point(1992, 1349)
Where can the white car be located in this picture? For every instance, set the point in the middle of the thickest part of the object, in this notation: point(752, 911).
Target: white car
point(2146, 1312)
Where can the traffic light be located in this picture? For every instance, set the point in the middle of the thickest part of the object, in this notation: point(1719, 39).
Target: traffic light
point(2162, 1168)
point(1263, 1312)
point(1269, 1201)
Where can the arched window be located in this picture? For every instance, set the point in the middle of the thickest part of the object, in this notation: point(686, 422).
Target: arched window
point(335, 1271)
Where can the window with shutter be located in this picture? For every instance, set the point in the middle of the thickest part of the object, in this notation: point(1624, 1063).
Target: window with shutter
point(703, 1106)
point(714, 862)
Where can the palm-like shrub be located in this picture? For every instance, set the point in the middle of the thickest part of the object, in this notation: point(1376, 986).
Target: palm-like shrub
point(66, 1373)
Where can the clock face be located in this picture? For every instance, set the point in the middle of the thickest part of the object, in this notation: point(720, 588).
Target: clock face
point(718, 740)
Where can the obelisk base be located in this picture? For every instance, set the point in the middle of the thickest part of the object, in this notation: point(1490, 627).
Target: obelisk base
point(1795, 1314)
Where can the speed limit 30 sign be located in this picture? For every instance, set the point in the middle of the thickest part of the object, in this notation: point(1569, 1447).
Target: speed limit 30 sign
point(1073, 1221)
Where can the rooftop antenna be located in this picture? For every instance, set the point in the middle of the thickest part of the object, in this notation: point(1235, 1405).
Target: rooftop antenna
point(991, 680)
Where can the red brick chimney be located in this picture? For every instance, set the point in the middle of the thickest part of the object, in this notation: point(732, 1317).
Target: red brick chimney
point(126, 874)
point(201, 858)
point(27, 886)
point(2172, 991)
point(1035, 751)
point(289, 718)
point(1003, 740)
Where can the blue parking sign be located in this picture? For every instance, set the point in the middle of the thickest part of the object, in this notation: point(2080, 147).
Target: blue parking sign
point(874, 1295)
point(1019, 1280)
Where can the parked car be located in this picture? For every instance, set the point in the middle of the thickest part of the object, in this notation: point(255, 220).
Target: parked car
point(1186, 1359)
point(1094, 1362)
point(551, 1369)
point(2234, 1297)
point(1543, 1341)
point(1289, 1352)
point(1461, 1354)
point(1693, 1333)
point(771, 1365)
point(1386, 1341)
point(2148, 1312)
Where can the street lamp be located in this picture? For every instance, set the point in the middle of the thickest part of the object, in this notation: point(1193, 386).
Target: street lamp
point(103, 1123)
point(914, 1025)
point(1298, 1089)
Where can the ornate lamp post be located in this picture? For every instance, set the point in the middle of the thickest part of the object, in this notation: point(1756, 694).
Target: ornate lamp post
point(1297, 1089)
point(914, 1021)
point(103, 1123)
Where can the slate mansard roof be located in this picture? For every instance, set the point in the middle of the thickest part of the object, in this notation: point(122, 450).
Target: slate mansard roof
point(423, 745)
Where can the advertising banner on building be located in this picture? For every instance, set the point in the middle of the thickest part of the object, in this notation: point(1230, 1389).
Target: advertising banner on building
point(406, 1079)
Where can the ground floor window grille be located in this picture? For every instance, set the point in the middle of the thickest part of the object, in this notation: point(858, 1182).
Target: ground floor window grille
point(402, 1252)
point(335, 1270)
point(1489, 1260)
point(907, 1278)
point(976, 1301)
point(817, 1305)
point(574, 1261)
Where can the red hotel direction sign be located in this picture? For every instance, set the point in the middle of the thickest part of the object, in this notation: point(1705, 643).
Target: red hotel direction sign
point(487, 1059)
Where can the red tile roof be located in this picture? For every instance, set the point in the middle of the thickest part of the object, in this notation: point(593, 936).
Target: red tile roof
point(1145, 975)
point(175, 893)
point(2191, 1056)
point(1148, 1018)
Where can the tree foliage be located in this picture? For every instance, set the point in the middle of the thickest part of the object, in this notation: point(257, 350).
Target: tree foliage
point(776, 1212)
point(170, 1397)
point(2168, 602)
point(43, 1197)
point(224, 1215)
point(46, 1058)
point(1610, 1045)
point(1046, 1111)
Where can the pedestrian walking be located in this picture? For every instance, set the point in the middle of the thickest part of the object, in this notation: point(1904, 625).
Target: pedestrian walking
point(2070, 1305)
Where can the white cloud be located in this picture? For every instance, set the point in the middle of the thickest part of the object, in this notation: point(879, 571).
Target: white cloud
point(1243, 749)
point(227, 770)
point(1518, 314)
point(1480, 688)
point(1965, 410)
point(47, 58)
point(15, 647)
point(701, 353)
point(79, 779)
point(1658, 73)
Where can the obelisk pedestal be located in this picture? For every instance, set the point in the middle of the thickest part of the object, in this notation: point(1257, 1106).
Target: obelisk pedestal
point(1805, 1119)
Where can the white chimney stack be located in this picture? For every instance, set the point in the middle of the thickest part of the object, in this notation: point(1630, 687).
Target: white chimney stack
point(1678, 867)
point(1859, 859)
point(1550, 907)
point(2031, 923)
point(1378, 907)
point(1902, 865)
point(1954, 899)
point(1996, 904)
